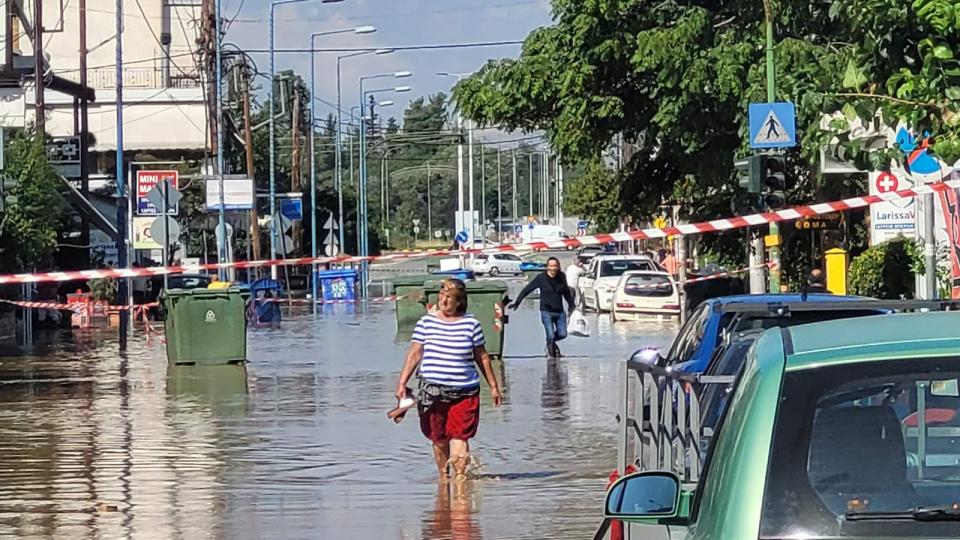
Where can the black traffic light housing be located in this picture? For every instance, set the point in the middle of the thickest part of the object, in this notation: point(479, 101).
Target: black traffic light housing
point(764, 175)
point(773, 169)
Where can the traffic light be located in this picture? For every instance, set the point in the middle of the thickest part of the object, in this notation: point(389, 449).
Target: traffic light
point(773, 170)
point(748, 173)
point(6, 196)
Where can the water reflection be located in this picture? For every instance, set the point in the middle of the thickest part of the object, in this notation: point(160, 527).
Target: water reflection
point(453, 514)
point(296, 444)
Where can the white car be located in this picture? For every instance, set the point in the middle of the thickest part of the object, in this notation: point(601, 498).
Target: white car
point(496, 263)
point(645, 293)
point(597, 284)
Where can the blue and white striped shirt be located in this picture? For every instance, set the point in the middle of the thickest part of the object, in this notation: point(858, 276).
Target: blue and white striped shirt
point(448, 349)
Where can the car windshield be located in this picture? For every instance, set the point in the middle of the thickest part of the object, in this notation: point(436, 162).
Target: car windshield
point(866, 450)
point(617, 268)
point(648, 285)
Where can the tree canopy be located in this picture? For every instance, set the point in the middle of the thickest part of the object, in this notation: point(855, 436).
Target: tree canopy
point(675, 79)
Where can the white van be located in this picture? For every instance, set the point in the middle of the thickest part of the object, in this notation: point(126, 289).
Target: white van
point(544, 233)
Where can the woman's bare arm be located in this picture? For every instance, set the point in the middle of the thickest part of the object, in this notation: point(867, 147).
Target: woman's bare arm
point(482, 358)
point(414, 354)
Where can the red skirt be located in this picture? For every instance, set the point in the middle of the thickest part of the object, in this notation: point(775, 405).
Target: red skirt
point(455, 420)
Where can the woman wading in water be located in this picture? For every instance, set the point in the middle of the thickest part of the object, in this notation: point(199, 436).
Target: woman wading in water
point(448, 345)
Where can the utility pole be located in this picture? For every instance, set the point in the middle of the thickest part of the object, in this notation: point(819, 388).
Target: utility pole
point(39, 105)
point(295, 159)
point(513, 192)
point(771, 97)
point(429, 207)
point(84, 134)
point(248, 142)
point(530, 201)
point(499, 200)
point(121, 194)
point(473, 228)
point(483, 191)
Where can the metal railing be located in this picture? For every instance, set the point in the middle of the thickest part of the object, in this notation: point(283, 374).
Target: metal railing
point(142, 77)
point(659, 420)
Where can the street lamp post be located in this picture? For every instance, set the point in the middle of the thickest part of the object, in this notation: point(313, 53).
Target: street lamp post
point(339, 136)
point(313, 160)
point(273, 156)
point(460, 186)
point(362, 219)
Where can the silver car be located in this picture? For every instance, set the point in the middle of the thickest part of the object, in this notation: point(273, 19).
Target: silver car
point(495, 264)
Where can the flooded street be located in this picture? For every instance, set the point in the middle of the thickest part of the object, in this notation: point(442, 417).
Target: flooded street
point(101, 445)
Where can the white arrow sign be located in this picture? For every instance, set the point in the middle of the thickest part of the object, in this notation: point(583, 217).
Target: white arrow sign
point(331, 223)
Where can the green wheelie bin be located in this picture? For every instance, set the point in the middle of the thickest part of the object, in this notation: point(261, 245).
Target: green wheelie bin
point(205, 326)
point(410, 300)
point(487, 300)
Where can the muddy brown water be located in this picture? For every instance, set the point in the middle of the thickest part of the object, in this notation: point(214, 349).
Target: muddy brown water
point(101, 444)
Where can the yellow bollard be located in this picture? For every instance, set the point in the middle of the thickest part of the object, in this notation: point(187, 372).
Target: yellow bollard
point(837, 262)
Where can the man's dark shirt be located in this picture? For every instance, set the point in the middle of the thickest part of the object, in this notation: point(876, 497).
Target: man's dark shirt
point(552, 292)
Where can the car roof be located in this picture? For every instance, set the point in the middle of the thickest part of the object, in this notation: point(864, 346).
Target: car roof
point(645, 273)
point(783, 297)
point(622, 257)
point(861, 339)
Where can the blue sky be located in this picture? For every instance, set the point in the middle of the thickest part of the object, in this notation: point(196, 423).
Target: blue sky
point(398, 23)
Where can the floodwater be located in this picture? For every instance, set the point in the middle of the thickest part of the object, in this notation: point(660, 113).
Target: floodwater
point(98, 444)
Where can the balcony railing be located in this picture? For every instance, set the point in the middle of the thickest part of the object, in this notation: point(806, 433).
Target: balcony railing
point(106, 78)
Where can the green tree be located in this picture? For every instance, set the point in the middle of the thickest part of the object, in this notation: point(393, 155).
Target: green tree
point(672, 81)
point(29, 223)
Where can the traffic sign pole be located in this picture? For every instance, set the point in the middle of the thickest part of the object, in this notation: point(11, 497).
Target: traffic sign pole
point(771, 97)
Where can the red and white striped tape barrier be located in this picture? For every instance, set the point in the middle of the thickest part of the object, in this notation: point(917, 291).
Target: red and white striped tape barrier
point(716, 225)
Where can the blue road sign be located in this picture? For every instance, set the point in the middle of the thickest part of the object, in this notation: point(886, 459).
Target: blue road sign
point(518, 229)
point(462, 237)
point(291, 208)
point(773, 125)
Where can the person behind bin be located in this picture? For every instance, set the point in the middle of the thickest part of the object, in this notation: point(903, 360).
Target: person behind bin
point(448, 348)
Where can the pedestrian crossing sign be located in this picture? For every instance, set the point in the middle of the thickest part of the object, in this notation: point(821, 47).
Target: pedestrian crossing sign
point(772, 125)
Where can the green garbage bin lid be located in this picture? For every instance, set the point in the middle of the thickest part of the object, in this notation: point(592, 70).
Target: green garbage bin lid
point(201, 292)
point(492, 286)
point(415, 280)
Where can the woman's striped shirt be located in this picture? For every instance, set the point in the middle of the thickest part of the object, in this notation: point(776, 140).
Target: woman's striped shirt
point(448, 349)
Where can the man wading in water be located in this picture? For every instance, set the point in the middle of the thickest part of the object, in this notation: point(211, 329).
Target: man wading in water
point(448, 345)
point(553, 290)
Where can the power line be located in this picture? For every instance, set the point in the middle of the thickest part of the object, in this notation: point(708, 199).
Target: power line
point(398, 14)
point(396, 48)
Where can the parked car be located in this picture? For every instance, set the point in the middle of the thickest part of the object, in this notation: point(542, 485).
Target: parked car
point(645, 293)
point(598, 282)
point(712, 320)
point(838, 429)
point(586, 253)
point(496, 263)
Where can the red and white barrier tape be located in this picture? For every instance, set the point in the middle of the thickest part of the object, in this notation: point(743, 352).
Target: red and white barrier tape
point(77, 306)
point(716, 225)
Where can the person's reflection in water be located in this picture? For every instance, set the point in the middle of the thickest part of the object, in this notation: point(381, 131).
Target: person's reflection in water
point(554, 393)
point(452, 517)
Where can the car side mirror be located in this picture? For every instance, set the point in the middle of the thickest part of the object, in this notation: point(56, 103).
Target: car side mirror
point(650, 494)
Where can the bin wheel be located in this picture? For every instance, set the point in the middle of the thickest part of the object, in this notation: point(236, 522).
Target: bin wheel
point(494, 271)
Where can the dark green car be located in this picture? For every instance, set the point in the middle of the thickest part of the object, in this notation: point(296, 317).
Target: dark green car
point(843, 429)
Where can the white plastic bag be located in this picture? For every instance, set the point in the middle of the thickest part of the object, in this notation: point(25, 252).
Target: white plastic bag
point(578, 326)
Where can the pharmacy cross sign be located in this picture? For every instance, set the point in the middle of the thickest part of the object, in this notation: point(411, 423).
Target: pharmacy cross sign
point(887, 182)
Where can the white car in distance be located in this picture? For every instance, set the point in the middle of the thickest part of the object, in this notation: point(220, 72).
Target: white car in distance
point(597, 284)
point(641, 293)
point(494, 264)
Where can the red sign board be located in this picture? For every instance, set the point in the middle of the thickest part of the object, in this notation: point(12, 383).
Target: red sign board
point(146, 181)
point(887, 182)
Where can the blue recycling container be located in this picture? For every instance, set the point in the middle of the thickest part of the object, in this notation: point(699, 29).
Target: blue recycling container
point(461, 274)
point(338, 284)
